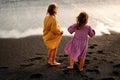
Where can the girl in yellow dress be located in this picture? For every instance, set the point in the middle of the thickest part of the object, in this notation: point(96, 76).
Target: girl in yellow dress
point(51, 33)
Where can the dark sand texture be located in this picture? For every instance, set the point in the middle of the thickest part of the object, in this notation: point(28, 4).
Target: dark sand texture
point(26, 59)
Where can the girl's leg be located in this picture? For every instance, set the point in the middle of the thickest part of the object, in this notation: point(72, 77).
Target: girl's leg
point(71, 66)
point(50, 56)
point(81, 64)
point(54, 57)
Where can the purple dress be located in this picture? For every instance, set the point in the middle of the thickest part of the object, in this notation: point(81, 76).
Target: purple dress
point(77, 47)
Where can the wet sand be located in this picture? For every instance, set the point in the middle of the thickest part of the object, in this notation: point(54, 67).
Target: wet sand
point(26, 59)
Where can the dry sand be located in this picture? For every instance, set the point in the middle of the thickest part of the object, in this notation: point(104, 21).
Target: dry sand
point(26, 59)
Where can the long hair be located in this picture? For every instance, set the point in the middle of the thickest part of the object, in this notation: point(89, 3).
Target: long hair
point(52, 9)
point(82, 19)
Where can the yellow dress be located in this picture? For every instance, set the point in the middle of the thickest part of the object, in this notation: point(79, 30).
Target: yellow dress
point(51, 32)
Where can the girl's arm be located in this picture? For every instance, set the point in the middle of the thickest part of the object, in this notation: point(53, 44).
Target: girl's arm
point(91, 32)
point(71, 29)
point(55, 27)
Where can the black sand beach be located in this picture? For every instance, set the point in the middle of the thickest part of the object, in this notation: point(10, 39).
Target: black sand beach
point(26, 59)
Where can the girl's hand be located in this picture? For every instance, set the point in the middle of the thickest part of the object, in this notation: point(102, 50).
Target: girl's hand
point(61, 32)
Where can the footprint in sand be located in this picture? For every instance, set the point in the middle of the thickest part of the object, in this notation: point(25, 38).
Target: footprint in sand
point(60, 55)
point(100, 52)
point(94, 58)
point(61, 60)
point(84, 76)
point(92, 46)
point(90, 52)
point(29, 63)
point(95, 45)
point(87, 61)
point(38, 53)
point(117, 66)
point(24, 65)
point(97, 71)
point(3, 68)
point(35, 58)
point(66, 71)
point(109, 78)
point(36, 76)
point(111, 62)
point(65, 55)
point(116, 73)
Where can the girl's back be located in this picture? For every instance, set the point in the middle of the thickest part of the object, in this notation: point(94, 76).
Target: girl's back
point(82, 33)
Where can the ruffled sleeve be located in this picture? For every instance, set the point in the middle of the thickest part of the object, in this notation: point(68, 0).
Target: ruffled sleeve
point(91, 32)
point(71, 28)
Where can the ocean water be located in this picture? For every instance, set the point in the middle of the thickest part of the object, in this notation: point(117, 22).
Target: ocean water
point(20, 18)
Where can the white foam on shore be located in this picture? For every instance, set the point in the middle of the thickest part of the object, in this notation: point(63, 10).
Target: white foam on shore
point(17, 34)
point(100, 29)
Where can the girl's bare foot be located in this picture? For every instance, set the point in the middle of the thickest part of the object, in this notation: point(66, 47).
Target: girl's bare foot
point(49, 62)
point(54, 63)
point(70, 67)
point(80, 69)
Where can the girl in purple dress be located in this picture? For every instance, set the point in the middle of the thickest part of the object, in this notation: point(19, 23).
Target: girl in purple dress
point(77, 47)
